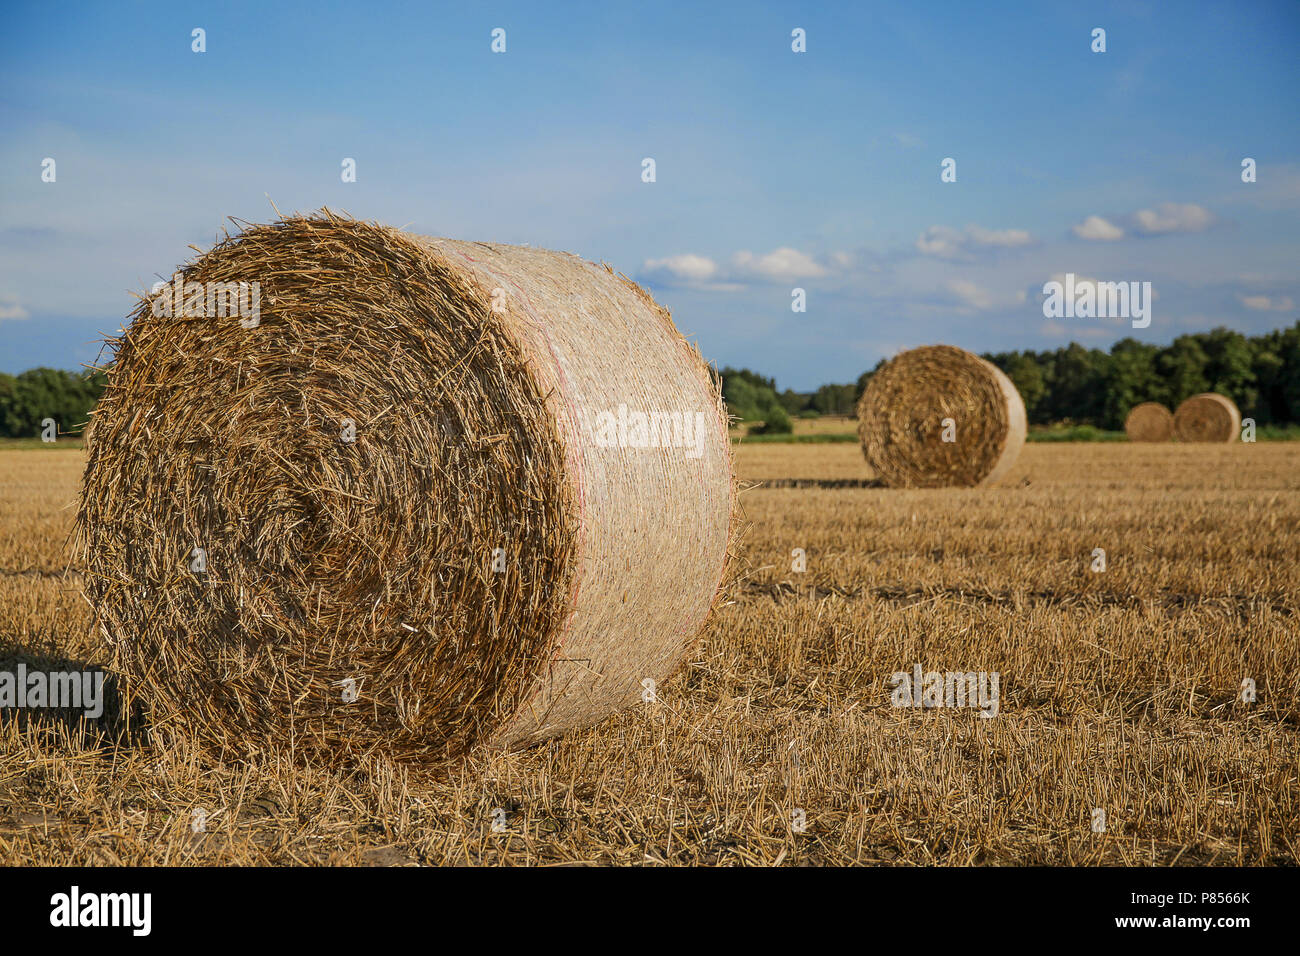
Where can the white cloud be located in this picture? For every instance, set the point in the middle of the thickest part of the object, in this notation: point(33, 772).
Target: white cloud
point(947, 242)
point(1172, 217)
point(1168, 218)
point(944, 242)
point(10, 308)
point(1263, 303)
point(1001, 238)
point(685, 268)
point(779, 265)
point(1098, 229)
point(970, 294)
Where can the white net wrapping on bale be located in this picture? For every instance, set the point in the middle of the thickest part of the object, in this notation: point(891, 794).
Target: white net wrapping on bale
point(438, 494)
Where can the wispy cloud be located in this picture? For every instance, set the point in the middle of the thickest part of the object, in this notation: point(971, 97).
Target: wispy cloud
point(1264, 303)
point(785, 264)
point(11, 308)
point(1172, 217)
point(780, 265)
point(1164, 219)
point(684, 268)
point(1097, 229)
point(972, 296)
point(948, 242)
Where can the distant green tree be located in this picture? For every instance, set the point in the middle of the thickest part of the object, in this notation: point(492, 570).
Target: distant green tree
point(1027, 376)
point(741, 398)
point(835, 399)
point(1087, 386)
point(776, 422)
point(30, 397)
point(1276, 364)
point(1182, 366)
point(752, 398)
point(1133, 380)
point(1228, 367)
point(1269, 368)
point(9, 422)
point(1075, 380)
point(1289, 350)
point(795, 402)
point(745, 375)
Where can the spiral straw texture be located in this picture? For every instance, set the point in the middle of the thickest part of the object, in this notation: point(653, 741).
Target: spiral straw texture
point(1149, 421)
point(921, 398)
point(1208, 417)
point(411, 509)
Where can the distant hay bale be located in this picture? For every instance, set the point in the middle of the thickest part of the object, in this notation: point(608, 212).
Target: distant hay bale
point(922, 398)
point(435, 494)
point(1149, 421)
point(1208, 417)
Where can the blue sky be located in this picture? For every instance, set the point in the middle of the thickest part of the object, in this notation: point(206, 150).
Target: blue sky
point(774, 169)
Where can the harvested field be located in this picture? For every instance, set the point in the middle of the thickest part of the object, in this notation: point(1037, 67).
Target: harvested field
point(1120, 691)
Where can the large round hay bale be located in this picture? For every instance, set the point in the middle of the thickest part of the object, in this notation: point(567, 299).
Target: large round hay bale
point(1149, 421)
point(437, 494)
point(939, 416)
point(1208, 417)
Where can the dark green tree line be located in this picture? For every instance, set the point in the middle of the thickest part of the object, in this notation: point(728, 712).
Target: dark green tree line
point(30, 397)
point(1260, 373)
point(1089, 386)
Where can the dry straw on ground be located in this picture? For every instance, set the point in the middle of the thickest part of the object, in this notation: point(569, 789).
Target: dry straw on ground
point(1208, 417)
point(902, 413)
point(1149, 421)
point(1120, 691)
point(479, 564)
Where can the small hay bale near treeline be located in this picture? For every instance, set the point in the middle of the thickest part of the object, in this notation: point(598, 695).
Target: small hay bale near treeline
point(1208, 417)
point(938, 416)
point(439, 494)
point(1149, 421)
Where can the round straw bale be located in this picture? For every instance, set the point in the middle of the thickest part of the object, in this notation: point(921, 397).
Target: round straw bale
point(436, 494)
point(1208, 417)
point(1149, 421)
point(939, 416)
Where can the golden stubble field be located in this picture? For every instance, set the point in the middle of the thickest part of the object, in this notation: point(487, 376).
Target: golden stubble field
point(1120, 692)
